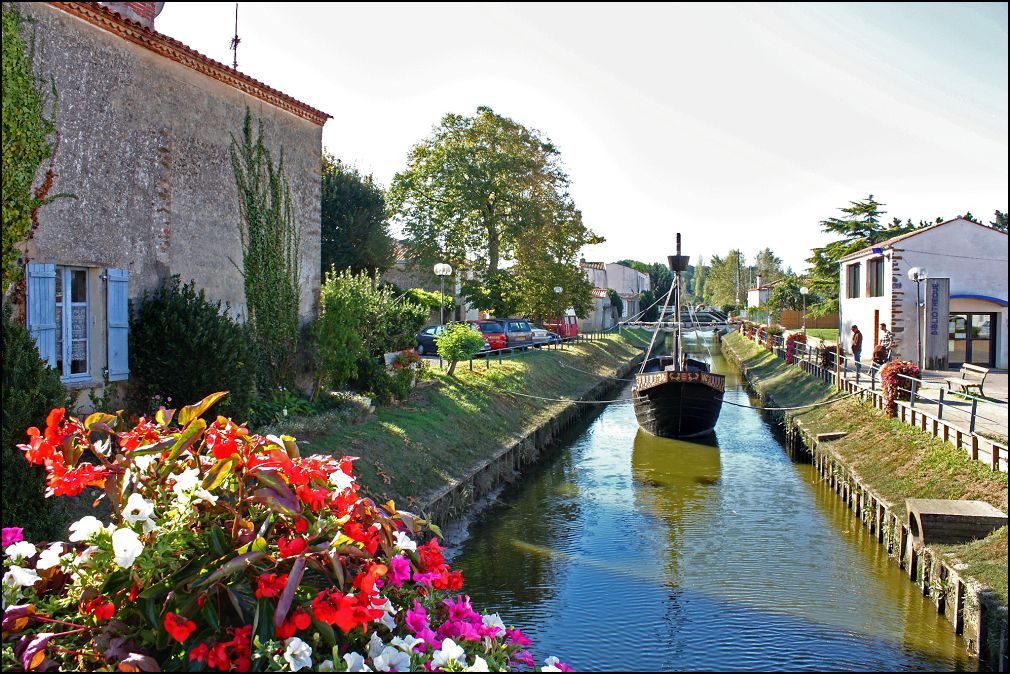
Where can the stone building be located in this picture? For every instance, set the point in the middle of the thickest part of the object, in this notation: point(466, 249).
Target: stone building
point(144, 132)
point(958, 313)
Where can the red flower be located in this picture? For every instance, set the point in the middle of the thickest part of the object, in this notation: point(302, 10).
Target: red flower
point(449, 580)
point(222, 440)
point(63, 482)
point(298, 620)
point(38, 450)
point(346, 611)
point(100, 608)
point(178, 629)
point(367, 537)
point(270, 585)
point(144, 433)
point(301, 525)
point(314, 498)
point(199, 653)
point(365, 581)
point(289, 547)
point(431, 557)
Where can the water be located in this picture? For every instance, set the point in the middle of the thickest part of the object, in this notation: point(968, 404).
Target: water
point(629, 552)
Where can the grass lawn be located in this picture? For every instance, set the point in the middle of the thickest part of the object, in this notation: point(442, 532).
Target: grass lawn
point(450, 424)
point(894, 459)
point(829, 334)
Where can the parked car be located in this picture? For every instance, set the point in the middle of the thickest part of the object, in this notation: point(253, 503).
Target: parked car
point(426, 339)
point(518, 332)
point(544, 336)
point(493, 333)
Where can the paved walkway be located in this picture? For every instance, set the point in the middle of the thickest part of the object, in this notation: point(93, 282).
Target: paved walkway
point(991, 413)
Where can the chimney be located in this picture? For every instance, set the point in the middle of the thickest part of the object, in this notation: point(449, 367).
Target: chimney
point(141, 12)
point(758, 282)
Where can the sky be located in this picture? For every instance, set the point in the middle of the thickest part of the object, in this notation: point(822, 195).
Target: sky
point(740, 126)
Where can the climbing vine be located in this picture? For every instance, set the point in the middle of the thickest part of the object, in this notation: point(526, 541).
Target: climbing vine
point(26, 131)
point(270, 255)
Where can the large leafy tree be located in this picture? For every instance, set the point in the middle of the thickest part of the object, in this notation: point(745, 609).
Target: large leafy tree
point(726, 282)
point(859, 227)
point(768, 266)
point(484, 190)
point(355, 230)
point(787, 295)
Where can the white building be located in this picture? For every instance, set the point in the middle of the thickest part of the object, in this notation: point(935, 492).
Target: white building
point(962, 313)
point(628, 283)
point(759, 295)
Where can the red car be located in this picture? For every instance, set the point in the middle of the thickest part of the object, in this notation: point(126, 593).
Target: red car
point(493, 332)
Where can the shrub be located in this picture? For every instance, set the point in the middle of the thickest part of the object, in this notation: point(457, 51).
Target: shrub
point(183, 347)
point(791, 341)
point(30, 390)
point(359, 323)
point(277, 562)
point(460, 341)
point(894, 385)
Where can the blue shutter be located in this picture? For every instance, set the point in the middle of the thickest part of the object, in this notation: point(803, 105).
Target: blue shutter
point(41, 301)
point(117, 312)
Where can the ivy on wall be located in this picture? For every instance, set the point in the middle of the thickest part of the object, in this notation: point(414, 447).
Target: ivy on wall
point(25, 143)
point(271, 241)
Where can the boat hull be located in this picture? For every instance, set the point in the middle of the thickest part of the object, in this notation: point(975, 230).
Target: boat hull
point(677, 409)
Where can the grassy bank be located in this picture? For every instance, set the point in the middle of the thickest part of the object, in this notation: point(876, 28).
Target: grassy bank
point(894, 459)
point(450, 424)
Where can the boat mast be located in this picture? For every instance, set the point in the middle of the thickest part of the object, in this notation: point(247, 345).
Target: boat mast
point(676, 307)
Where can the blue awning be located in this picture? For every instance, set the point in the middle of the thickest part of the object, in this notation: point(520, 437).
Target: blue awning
point(995, 300)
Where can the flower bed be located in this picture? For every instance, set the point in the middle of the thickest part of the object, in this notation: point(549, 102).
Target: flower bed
point(230, 551)
point(894, 385)
point(793, 339)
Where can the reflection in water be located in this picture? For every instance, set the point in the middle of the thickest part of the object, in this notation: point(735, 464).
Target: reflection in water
point(628, 551)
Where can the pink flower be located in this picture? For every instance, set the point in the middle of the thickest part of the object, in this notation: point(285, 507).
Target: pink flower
point(426, 578)
point(399, 570)
point(517, 637)
point(524, 657)
point(12, 535)
point(417, 622)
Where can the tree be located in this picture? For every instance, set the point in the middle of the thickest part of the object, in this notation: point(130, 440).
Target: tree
point(999, 223)
point(354, 227)
point(860, 228)
point(786, 295)
point(724, 284)
point(767, 266)
point(460, 341)
point(482, 190)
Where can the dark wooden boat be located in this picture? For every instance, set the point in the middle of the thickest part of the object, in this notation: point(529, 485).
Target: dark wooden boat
point(675, 396)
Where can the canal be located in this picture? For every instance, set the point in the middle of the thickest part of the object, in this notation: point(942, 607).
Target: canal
point(623, 551)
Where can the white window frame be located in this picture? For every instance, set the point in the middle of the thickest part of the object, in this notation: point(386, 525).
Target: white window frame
point(66, 320)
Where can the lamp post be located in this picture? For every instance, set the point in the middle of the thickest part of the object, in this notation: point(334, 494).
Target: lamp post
point(918, 275)
point(803, 291)
point(442, 270)
point(557, 291)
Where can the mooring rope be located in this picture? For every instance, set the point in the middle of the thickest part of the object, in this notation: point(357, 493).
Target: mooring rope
point(569, 367)
point(724, 402)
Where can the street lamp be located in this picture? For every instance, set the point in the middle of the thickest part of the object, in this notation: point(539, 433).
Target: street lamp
point(803, 291)
point(557, 291)
point(918, 275)
point(442, 270)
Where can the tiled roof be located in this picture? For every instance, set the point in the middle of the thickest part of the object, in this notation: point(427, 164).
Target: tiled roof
point(600, 293)
point(594, 265)
point(163, 45)
point(889, 243)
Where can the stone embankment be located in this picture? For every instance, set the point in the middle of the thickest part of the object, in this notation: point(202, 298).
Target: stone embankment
point(874, 464)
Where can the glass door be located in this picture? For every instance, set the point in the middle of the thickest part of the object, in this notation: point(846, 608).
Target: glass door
point(957, 340)
point(970, 339)
point(980, 346)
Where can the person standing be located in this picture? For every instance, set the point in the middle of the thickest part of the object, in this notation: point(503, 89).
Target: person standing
point(857, 344)
point(887, 341)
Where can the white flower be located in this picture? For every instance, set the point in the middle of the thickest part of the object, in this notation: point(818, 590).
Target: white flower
point(375, 646)
point(341, 480)
point(494, 620)
point(187, 480)
point(143, 462)
point(551, 665)
point(326, 666)
point(407, 643)
point(390, 659)
point(21, 550)
point(298, 654)
point(85, 528)
point(479, 665)
point(402, 541)
point(50, 557)
point(450, 652)
point(356, 662)
point(138, 509)
point(126, 546)
point(18, 576)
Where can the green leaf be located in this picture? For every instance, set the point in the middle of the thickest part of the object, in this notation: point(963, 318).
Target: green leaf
point(150, 608)
point(219, 473)
point(191, 412)
point(217, 541)
point(164, 416)
point(189, 435)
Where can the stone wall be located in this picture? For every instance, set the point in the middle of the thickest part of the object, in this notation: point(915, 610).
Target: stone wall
point(144, 145)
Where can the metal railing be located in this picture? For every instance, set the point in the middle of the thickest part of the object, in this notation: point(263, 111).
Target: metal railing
point(491, 356)
point(840, 369)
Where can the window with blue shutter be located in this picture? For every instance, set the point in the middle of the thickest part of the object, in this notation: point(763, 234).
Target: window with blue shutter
point(118, 323)
point(41, 314)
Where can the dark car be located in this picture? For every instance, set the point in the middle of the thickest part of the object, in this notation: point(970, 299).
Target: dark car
point(426, 339)
point(518, 332)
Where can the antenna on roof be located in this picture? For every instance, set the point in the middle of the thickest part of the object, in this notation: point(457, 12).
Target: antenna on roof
point(234, 41)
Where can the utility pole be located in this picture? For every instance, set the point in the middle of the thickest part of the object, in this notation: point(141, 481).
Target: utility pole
point(234, 42)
